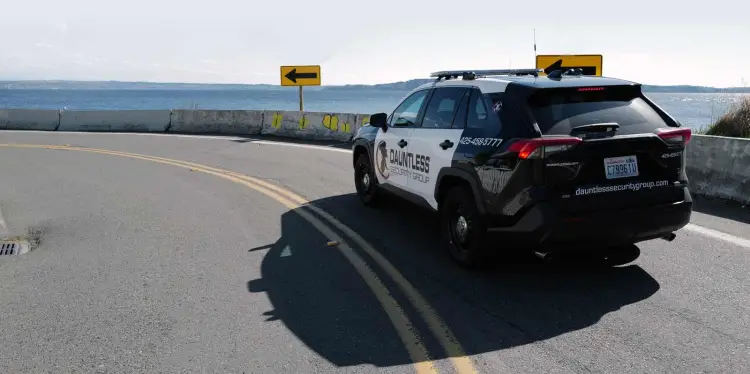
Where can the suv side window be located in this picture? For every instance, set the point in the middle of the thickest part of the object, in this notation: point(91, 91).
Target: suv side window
point(406, 114)
point(484, 112)
point(442, 107)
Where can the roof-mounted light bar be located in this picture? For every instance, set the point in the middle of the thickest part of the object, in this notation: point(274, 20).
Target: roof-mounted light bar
point(471, 74)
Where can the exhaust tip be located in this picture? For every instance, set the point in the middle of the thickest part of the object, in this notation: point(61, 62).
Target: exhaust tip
point(669, 237)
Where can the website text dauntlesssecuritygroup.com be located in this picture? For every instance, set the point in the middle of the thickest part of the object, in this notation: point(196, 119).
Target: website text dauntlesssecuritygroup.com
point(621, 187)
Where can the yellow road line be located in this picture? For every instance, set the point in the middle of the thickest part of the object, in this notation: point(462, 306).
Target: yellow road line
point(437, 326)
point(442, 332)
point(404, 327)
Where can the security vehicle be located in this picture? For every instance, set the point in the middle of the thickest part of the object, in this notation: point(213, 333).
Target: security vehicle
point(510, 159)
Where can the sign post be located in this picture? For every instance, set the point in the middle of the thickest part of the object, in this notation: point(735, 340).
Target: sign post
point(300, 76)
point(301, 100)
point(589, 64)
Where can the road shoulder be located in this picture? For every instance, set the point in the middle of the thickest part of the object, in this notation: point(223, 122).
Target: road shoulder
point(725, 216)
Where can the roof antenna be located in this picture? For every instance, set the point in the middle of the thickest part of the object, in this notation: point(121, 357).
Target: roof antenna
point(535, 55)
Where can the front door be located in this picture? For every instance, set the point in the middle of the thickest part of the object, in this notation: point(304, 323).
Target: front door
point(391, 159)
point(435, 141)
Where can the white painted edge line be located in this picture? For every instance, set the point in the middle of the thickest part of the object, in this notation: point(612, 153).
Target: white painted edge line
point(718, 235)
point(218, 137)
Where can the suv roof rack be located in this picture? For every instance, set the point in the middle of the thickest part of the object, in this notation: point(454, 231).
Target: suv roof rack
point(473, 74)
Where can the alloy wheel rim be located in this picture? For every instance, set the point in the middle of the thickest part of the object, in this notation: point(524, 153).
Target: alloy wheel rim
point(460, 229)
point(364, 178)
point(366, 181)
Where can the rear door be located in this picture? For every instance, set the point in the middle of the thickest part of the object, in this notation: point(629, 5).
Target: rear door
point(608, 147)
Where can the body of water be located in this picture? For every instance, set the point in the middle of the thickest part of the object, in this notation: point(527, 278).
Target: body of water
point(695, 110)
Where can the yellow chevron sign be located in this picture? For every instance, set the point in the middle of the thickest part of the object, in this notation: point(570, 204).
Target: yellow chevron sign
point(590, 64)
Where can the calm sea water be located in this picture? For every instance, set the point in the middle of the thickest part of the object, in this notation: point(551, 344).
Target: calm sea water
point(693, 110)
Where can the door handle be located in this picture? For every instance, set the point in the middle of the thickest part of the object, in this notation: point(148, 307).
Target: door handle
point(402, 143)
point(446, 144)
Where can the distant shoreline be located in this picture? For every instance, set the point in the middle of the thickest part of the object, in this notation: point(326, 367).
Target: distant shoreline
point(395, 86)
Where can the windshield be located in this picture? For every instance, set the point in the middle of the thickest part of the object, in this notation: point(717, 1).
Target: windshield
point(557, 111)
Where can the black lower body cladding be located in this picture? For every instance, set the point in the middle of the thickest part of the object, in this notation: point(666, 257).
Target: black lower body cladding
point(546, 226)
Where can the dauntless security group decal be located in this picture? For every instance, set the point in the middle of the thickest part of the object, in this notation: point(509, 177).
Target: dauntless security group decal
point(411, 165)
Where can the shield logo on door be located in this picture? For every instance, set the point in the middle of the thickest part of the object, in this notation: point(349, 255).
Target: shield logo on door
point(381, 160)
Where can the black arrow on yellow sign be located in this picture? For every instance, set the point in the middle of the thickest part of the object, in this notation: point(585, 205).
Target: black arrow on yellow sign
point(293, 75)
point(558, 65)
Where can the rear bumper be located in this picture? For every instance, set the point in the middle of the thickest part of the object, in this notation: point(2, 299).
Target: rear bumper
point(544, 225)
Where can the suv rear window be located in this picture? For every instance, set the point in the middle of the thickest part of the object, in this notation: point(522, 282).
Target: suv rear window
point(558, 110)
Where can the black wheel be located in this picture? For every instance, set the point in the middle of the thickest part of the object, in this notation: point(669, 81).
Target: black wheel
point(621, 255)
point(365, 181)
point(462, 227)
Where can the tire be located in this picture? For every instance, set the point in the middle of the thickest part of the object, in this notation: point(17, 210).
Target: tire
point(365, 181)
point(466, 250)
point(621, 255)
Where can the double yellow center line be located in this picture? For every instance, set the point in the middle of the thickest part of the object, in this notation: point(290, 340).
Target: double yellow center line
point(406, 330)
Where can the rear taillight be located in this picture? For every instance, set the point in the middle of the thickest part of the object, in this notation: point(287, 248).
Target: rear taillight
point(675, 136)
point(542, 147)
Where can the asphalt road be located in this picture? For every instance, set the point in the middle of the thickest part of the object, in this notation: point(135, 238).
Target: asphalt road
point(147, 265)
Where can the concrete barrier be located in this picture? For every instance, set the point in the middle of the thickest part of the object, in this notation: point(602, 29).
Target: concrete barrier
point(237, 122)
point(29, 119)
point(310, 125)
point(719, 167)
point(280, 122)
point(115, 120)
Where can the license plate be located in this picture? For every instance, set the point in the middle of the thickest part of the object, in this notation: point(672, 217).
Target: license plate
point(621, 167)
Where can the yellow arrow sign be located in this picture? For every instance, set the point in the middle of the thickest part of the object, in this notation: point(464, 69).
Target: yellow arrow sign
point(590, 64)
point(306, 75)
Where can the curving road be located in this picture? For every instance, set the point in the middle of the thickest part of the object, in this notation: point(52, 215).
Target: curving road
point(142, 262)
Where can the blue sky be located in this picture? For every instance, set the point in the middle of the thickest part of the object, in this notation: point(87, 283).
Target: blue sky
point(245, 41)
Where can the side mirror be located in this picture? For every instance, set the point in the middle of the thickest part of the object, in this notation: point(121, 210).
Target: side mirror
point(379, 120)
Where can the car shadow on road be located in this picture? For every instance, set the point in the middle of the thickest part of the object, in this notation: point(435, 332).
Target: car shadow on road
point(320, 298)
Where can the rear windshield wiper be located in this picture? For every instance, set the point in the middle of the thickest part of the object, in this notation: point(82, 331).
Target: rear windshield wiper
point(596, 130)
point(597, 127)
